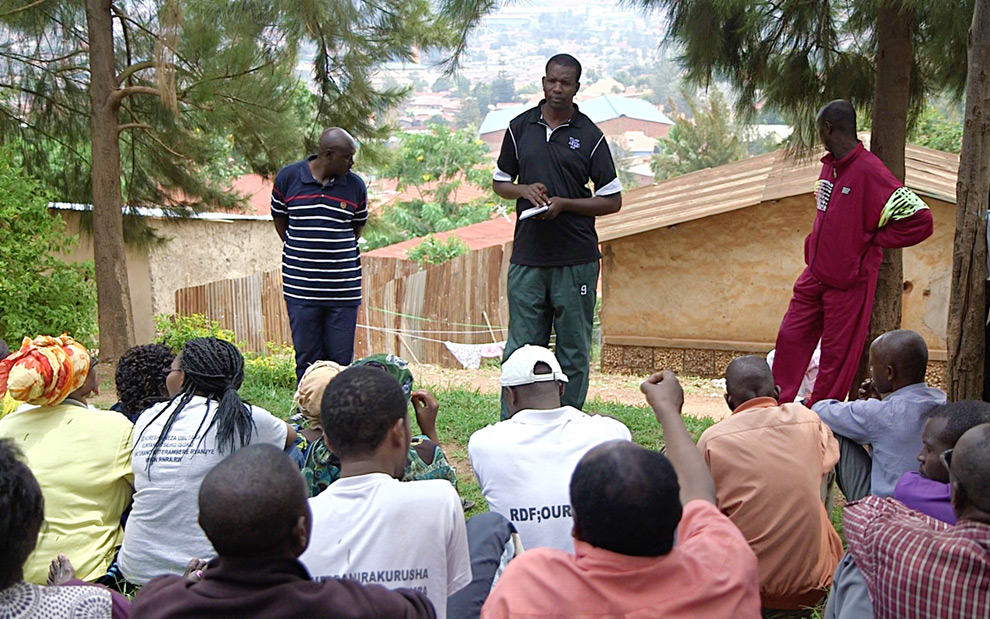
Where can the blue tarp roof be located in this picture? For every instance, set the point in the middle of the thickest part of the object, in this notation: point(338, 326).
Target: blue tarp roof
point(598, 110)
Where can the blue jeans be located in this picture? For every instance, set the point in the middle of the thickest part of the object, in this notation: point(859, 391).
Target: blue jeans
point(321, 333)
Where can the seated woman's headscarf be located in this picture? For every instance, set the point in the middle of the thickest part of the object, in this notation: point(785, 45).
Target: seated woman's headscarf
point(45, 370)
point(309, 392)
point(396, 366)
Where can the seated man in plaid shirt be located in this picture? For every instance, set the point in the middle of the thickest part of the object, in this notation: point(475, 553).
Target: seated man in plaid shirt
point(917, 566)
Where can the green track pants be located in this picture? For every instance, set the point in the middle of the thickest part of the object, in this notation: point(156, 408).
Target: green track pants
point(561, 299)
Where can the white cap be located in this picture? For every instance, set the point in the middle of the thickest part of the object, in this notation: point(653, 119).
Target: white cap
point(519, 368)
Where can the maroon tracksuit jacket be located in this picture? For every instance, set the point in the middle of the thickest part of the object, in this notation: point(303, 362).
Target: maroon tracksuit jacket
point(862, 208)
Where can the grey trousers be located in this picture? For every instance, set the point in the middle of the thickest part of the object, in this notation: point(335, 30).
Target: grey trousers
point(491, 547)
point(852, 473)
point(849, 598)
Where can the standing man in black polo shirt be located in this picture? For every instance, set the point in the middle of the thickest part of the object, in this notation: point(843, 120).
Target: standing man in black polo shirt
point(549, 153)
point(319, 208)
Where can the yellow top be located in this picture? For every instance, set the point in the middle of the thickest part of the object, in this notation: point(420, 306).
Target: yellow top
point(8, 405)
point(82, 460)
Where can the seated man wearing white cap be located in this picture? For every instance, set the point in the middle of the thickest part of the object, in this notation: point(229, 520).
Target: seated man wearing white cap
point(524, 464)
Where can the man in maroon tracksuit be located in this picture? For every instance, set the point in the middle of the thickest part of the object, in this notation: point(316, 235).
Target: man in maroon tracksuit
point(861, 209)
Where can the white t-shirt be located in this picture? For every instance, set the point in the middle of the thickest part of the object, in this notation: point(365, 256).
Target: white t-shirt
point(524, 466)
point(375, 529)
point(163, 533)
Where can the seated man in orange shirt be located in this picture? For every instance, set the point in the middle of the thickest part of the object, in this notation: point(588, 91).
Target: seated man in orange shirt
point(627, 505)
point(768, 462)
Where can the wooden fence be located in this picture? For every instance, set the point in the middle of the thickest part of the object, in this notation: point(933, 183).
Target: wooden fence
point(406, 310)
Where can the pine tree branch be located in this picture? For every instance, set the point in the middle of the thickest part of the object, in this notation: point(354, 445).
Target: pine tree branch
point(126, 126)
point(41, 95)
point(51, 137)
point(228, 76)
point(119, 95)
point(154, 139)
point(124, 17)
point(134, 68)
point(41, 64)
point(20, 9)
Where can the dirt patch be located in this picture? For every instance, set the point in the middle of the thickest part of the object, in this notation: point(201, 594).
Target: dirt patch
point(702, 397)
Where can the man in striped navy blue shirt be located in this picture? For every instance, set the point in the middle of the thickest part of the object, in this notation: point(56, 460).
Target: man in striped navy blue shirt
point(319, 208)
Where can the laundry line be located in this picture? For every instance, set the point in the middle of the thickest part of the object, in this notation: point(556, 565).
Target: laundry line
point(425, 319)
point(468, 355)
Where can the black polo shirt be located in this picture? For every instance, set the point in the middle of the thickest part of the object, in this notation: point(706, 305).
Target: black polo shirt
point(564, 159)
point(321, 264)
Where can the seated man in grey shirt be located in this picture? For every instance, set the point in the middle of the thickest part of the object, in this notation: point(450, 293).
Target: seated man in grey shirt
point(889, 416)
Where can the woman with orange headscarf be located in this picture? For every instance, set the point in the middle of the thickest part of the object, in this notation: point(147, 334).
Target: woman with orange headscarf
point(81, 456)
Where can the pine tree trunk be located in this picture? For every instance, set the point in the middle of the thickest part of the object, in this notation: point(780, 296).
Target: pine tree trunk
point(113, 293)
point(891, 99)
point(967, 313)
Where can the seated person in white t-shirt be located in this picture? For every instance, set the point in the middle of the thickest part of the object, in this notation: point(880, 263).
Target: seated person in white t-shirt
point(524, 464)
point(176, 443)
point(369, 526)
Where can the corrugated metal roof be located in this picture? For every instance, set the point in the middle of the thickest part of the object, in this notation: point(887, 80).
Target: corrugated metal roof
point(158, 213)
point(773, 176)
point(598, 110)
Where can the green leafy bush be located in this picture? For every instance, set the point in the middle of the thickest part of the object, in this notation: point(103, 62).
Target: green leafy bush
point(934, 130)
point(276, 369)
point(435, 251)
point(270, 379)
point(175, 331)
point(39, 293)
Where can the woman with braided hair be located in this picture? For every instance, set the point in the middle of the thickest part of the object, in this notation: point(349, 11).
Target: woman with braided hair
point(176, 443)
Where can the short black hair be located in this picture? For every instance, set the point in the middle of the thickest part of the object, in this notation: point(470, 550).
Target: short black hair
point(140, 377)
point(907, 352)
point(250, 503)
point(626, 499)
point(565, 60)
point(841, 115)
point(960, 417)
point(359, 406)
point(749, 377)
point(22, 512)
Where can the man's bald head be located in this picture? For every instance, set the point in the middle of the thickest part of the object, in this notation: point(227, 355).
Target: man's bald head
point(746, 378)
point(970, 474)
point(621, 481)
point(335, 137)
point(898, 359)
point(254, 504)
point(336, 156)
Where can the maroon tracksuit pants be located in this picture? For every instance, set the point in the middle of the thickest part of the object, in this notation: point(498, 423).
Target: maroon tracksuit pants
point(841, 318)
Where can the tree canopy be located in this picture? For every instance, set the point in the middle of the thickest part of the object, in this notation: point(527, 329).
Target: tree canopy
point(793, 56)
point(204, 83)
point(124, 102)
point(707, 139)
point(433, 167)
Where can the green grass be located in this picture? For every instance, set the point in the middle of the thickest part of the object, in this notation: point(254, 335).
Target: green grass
point(464, 411)
point(275, 400)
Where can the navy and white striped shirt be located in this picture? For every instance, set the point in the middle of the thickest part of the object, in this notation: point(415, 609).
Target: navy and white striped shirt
point(321, 263)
